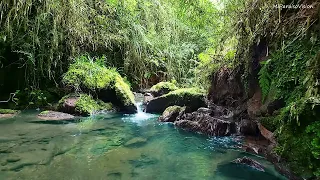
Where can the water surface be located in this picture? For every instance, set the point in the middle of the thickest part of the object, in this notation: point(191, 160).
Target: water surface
point(115, 146)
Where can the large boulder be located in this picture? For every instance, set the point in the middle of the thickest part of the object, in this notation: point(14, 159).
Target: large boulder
point(82, 104)
point(171, 113)
point(192, 98)
point(204, 123)
point(162, 88)
point(226, 88)
point(104, 83)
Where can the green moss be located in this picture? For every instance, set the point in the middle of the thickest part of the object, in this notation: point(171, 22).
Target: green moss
point(86, 105)
point(8, 111)
point(123, 91)
point(91, 76)
point(191, 92)
point(171, 109)
point(164, 85)
point(44, 112)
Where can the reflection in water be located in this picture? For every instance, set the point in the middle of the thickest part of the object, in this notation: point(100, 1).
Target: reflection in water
point(114, 146)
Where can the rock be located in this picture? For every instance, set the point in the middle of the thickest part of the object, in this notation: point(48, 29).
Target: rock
point(162, 88)
point(8, 113)
point(248, 128)
point(53, 115)
point(137, 141)
point(249, 162)
point(68, 105)
point(147, 98)
point(226, 88)
point(205, 124)
point(171, 113)
point(82, 104)
point(266, 133)
point(189, 97)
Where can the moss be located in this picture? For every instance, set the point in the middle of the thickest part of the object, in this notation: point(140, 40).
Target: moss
point(44, 112)
point(8, 111)
point(86, 105)
point(164, 85)
point(123, 91)
point(171, 109)
point(92, 77)
point(184, 92)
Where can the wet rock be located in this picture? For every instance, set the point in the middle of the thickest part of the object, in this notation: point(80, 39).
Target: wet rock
point(147, 98)
point(205, 124)
point(249, 162)
point(266, 133)
point(137, 141)
point(226, 88)
point(248, 128)
point(171, 113)
point(69, 105)
point(54, 115)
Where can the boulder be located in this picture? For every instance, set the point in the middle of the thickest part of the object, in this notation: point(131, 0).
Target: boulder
point(102, 82)
point(82, 104)
point(171, 113)
point(226, 88)
point(248, 128)
point(54, 115)
point(147, 98)
point(206, 124)
point(249, 162)
point(162, 88)
point(189, 97)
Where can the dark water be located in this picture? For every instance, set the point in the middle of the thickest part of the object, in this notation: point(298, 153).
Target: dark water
point(113, 146)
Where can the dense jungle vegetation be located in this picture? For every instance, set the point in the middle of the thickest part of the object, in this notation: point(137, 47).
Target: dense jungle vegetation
point(49, 48)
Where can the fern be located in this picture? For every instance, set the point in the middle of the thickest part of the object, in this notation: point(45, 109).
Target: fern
point(264, 78)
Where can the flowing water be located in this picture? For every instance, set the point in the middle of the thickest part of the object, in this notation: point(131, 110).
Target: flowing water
point(115, 146)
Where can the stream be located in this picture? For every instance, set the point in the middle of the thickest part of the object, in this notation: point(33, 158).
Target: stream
point(115, 146)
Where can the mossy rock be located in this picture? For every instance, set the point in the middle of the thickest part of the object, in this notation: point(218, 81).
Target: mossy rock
point(162, 88)
point(171, 113)
point(106, 83)
point(192, 98)
point(82, 104)
point(8, 111)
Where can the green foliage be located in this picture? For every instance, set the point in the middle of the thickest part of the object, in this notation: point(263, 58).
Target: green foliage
point(264, 79)
point(32, 98)
point(8, 111)
point(85, 73)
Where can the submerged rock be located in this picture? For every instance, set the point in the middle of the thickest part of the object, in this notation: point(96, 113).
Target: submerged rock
point(53, 115)
point(137, 141)
point(250, 162)
point(171, 113)
point(192, 98)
